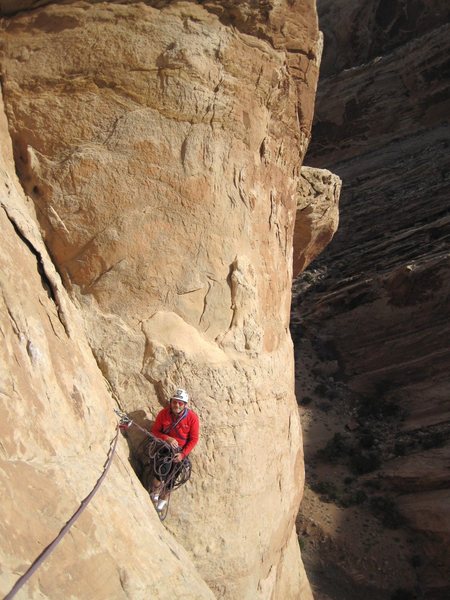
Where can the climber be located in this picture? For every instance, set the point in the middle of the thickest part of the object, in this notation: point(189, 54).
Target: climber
point(178, 426)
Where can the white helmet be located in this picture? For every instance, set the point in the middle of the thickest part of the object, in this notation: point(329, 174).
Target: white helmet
point(181, 395)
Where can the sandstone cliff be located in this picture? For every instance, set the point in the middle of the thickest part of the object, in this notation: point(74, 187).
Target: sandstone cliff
point(159, 147)
point(56, 430)
point(375, 306)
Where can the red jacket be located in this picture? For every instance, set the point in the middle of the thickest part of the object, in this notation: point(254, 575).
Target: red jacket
point(186, 432)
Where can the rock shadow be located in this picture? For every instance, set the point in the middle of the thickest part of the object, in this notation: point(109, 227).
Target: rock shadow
point(136, 439)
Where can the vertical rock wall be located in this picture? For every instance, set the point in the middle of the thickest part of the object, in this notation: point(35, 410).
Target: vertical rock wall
point(56, 431)
point(161, 147)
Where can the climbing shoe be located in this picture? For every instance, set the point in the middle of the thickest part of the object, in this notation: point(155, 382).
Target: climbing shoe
point(161, 504)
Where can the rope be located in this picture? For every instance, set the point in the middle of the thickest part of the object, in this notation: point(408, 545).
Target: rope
point(171, 474)
point(49, 549)
point(164, 468)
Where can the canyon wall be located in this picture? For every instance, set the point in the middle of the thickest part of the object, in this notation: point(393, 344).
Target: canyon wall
point(56, 430)
point(378, 298)
point(159, 148)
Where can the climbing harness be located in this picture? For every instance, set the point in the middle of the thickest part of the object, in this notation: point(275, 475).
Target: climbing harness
point(158, 456)
point(49, 549)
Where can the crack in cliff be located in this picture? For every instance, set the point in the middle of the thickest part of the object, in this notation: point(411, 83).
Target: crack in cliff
point(102, 274)
point(205, 303)
point(56, 87)
point(47, 283)
point(12, 318)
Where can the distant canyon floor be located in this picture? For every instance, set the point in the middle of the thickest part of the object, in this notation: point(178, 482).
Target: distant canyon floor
point(353, 542)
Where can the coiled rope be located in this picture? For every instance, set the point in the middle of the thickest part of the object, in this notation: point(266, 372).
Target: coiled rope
point(172, 474)
point(159, 456)
point(49, 549)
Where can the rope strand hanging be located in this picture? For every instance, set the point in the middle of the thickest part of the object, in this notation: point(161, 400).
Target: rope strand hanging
point(156, 450)
point(49, 549)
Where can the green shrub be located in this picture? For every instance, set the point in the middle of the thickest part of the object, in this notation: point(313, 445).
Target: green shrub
point(434, 439)
point(321, 389)
point(367, 440)
point(337, 447)
point(326, 489)
point(386, 510)
point(416, 561)
point(400, 448)
point(305, 400)
point(365, 462)
point(356, 497)
point(377, 408)
point(302, 543)
point(373, 484)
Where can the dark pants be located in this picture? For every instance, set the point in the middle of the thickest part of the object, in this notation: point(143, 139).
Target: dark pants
point(157, 461)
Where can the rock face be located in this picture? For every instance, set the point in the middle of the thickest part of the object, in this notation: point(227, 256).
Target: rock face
point(381, 301)
point(56, 431)
point(160, 146)
point(317, 215)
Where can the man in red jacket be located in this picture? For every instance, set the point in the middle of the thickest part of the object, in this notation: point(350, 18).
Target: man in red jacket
point(179, 427)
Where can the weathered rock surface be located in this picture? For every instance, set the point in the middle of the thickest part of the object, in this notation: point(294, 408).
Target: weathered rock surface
point(380, 305)
point(161, 145)
point(56, 429)
point(357, 32)
point(317, 215)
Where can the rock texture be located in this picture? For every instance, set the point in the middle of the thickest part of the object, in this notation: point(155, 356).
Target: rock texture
point(378, 298)
point(317, 215)
point(56, 430)
point(160, 144)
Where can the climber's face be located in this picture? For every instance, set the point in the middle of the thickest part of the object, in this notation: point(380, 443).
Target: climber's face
point(177, 407)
